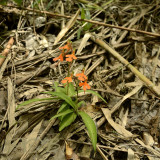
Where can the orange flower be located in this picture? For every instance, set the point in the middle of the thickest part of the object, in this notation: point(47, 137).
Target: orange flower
point(67, 79)
point(85, 85)
point(81, 76)
point(60, 57)
point(68, 47)
point(70, 57)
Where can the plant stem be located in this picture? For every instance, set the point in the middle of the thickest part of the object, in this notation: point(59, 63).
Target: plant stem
point(77, 91)
point(68, 76)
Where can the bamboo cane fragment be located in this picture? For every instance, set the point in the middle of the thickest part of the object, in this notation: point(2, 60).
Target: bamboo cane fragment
point(148, 83)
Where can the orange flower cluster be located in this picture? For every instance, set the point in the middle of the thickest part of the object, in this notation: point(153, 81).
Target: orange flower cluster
point(69, 58)
point(81, 77)
point(65, 49)
point(83, 80)
point(67, 79)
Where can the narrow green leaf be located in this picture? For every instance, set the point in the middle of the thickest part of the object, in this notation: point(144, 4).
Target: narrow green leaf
point(18, 2)
point(49, 5)
point(70, 88)
point(91, 127)
point(105, 4)
point(62, 113)
point(93, 92)
point(87, 26)
point(59, 89)
point(95, 6)
point(79, 33)
point(33, 100)
point(49, 92)
point(83, 16)
point(88, 15)
point(63, 107)
point(65, 97)
point(67, 120)
point(80, 104)
point(36, 3)
point(3, 2)
point(2, 56)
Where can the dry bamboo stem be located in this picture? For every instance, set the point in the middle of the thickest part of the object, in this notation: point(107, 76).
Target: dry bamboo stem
point(148, 83)
point(85, 20)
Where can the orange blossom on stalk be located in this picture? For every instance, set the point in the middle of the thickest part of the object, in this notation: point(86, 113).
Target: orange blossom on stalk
point(68, 47)
point(70, 57)
point(81, 76)
point(84, 85)
point(67, 79)
point(60, 57)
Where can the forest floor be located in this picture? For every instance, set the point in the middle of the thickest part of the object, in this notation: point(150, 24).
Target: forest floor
point(115, 44)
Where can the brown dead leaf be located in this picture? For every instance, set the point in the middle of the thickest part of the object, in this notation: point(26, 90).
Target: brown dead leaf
point(65, 29)
point(83, 43)
point(134, 91)
point(116, 126)
point(130, 154)
point(69, 151)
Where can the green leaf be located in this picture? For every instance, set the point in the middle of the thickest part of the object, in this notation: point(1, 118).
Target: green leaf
point(88, 15)
point(2, 56)
point(107, 3)
point(33, 100)
point(91, 127)
point(59, 89)
point(3, 2)
point(83, 16)
point(35, 4)
point(63, 107)
point(66, 98)
point(18, 2)
point(49, 92)
point(67, 120)
point(79, 33)
point(87, 26)
point(93, 92)
point(70, 88)
point(62, 113)
point(80, 104)
point(49, 5)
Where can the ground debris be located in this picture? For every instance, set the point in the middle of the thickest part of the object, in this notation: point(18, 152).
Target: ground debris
point(116, 45)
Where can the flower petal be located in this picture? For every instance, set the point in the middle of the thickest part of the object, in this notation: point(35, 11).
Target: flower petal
point(64, 81)
point(84, 85)
point(55, 59)
point(69, 59)
point(81, 76)
point(60, 57)
point(67, 79)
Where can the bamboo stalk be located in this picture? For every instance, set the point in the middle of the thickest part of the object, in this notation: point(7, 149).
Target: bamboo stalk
point(148, 83)
point(79, 19)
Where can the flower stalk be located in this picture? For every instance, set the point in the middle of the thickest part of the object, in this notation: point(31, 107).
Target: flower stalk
point(80, 78)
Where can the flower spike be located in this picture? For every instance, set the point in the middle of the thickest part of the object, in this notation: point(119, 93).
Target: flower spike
point(85, 85)
point(67, 79)
point(68, 47)
point(70, 57)
point(60, 57)
point(81, 76)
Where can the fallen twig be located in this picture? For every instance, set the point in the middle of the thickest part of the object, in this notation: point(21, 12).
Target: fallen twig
point(147, 82)
point(85, 20)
